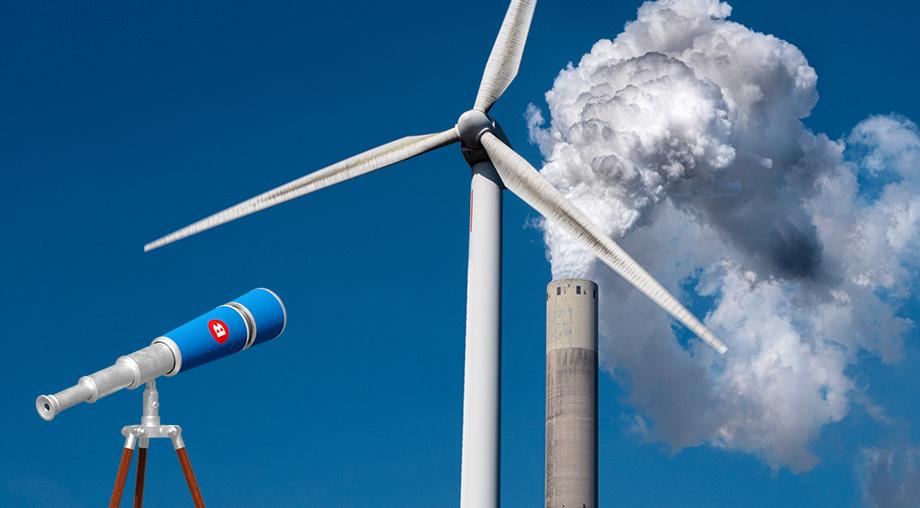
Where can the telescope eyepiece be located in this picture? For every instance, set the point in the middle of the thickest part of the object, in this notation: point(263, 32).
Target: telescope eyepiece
point(47, 407)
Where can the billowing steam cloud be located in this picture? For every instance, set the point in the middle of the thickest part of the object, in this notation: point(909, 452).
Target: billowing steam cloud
point(683, 138)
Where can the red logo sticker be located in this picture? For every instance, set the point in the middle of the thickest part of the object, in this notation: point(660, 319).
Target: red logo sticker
point(218, 330)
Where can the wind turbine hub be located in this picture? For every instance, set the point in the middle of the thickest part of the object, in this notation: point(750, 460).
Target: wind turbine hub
point(472, 125)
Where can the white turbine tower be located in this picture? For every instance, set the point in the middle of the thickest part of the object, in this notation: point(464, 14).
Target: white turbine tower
point(495, 166)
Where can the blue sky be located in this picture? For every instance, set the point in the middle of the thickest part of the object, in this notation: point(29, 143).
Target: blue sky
point(124, 121)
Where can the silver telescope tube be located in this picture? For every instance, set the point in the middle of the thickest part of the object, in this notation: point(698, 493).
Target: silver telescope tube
point(129, 371)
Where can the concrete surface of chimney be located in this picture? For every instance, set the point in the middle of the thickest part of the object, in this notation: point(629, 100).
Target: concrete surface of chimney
point(571, 394)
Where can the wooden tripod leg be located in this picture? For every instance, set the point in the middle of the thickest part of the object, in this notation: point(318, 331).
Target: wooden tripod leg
point(139, 484)
point(121, 477)
point(190, 477)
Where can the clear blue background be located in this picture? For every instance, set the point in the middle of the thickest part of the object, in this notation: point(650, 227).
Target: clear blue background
point(124, 120)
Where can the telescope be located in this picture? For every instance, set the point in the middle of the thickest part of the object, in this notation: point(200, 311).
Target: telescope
point(256, 317)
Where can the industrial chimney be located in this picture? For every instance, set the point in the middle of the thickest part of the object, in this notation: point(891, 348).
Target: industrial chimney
point(571, 394)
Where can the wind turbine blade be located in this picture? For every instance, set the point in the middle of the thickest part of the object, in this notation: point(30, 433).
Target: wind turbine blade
point(360, 164)
point(522, 179)
point(505, 58)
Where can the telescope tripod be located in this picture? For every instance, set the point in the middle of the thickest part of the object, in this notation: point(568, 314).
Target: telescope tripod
point(139, 436)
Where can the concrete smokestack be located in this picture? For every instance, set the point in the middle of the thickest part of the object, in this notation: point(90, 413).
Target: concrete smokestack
point(571, 394)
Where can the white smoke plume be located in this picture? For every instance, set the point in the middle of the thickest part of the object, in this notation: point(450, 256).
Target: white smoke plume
point(683, 138)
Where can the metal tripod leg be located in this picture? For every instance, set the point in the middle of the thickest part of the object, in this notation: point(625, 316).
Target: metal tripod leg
point(140, 435)
point(122, 475)
point(141, 469)
point(190, 477)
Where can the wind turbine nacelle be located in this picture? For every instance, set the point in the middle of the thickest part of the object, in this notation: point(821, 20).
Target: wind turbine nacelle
point(256, 317)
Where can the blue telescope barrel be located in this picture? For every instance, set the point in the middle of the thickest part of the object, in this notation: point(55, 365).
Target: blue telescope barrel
point(256, 317)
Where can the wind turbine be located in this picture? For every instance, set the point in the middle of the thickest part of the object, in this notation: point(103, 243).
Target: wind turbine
point(495, 166)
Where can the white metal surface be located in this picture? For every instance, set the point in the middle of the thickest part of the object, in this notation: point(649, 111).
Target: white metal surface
point(150, 426)
point(472, 125)
point(480, 462)
point(506, 55)
point(377, 158)
point(522, 179)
